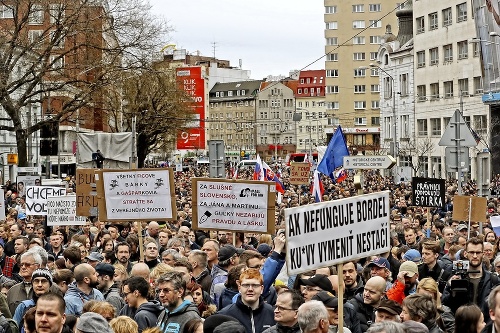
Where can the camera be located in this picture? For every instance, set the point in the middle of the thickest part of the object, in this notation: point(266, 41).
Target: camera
point(460, 268)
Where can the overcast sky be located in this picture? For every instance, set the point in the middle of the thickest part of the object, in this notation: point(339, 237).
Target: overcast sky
point(271, 37)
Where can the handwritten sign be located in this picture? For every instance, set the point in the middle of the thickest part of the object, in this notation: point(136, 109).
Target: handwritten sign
point(428, 192)
point(299, 173)
point(463, 204)
point(62, 211)
point(140, 194)
point(233, 205)
point(333, 232)
point(86, 193)
point(36, 198)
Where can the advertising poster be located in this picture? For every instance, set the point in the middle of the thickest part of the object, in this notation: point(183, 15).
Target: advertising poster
point(62, 211)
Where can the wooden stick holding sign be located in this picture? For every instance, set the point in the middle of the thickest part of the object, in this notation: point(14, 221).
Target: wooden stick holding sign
point(340, 297)
point(141, 241)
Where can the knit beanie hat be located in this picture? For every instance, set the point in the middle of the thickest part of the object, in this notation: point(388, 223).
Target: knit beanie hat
point(215, 320)
point(42, 272)
point(230, 326)
point(91, 322)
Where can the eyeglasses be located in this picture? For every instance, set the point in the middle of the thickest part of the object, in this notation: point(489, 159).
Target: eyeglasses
point(250, 285)
point(281, 308)
point(30, 227)
point(40, 281)
point(475, 253)
point(164, 290)
point(125, 294)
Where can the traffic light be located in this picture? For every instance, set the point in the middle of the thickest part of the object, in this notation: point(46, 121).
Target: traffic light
point(48, 147)
point(50, 130)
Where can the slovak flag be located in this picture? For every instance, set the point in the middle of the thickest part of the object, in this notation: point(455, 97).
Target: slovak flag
point(340, 175)
point(258, 173)
point(317, 188)
point(272, 177)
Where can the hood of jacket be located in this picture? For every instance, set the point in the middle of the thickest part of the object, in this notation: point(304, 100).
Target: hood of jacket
point(74, 291)
point(217, 271)
point(152, 306)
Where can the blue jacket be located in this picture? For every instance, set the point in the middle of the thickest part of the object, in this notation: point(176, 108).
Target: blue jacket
point(75, 298)
point(271, 269)
point(261, 318)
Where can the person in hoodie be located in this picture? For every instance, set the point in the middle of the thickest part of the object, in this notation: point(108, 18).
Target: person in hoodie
point(108, 287)
point(178, 311)
point(231, 286)
point(82, 290)
point(250, 308)
point(229, 256)
point(135, 291)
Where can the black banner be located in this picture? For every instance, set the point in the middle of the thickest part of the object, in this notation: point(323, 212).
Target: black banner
point(428, 192)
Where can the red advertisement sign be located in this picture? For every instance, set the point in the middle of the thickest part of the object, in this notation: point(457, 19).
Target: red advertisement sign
point(192, 81)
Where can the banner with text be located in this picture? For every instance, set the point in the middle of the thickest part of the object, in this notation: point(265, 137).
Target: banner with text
point(86, 193)
point(299, 173)
point(334, 232)
point(23, 181)
point(139, 194)
point(62, 211)
point(36, 198)
point(223, 204)
point(428, 192)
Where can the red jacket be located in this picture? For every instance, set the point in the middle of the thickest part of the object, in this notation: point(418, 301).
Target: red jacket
point(397, 292)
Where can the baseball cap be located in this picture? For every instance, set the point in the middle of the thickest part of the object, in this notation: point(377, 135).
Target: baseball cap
point(461, 226)
point(410, 267)
point(412, 255)
point(264, 249)
point(105, 269)
point(380, 262)
point(21, 216)
point(390, 306)
point(228, 251)
point(328, 299)
point(318, 280)
point(95, 256)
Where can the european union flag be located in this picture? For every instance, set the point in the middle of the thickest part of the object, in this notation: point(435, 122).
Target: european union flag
point(334, 154)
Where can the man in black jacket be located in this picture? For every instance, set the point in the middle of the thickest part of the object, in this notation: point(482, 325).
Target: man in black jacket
point(285, 312)
point(494, 305)
point(431, 266)
point(250, 308)
point(366, 302)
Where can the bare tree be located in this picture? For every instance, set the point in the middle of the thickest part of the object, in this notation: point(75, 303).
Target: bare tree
point(63, 56)
point(415, 148)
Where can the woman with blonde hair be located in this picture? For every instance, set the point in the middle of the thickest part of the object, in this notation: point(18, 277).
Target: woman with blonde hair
point(120, 273)
point(445, 318)
point(265, 239)
point(124, 324)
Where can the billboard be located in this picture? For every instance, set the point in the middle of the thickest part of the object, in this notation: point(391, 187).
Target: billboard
point(487, 21)
point(192, 82)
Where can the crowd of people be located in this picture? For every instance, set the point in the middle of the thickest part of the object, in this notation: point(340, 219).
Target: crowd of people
point(441, 275)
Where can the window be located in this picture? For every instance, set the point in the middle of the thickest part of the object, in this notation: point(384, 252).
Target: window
point(299, 91)
point(434, 55)
point(375, 88)
point(475, 49)
point(387, 87)
point(375, 121)
point(478, 84)
point(463, 50)
point(421, 93)
point(243, 92)
point(330, 9)
point(36, 15)
point(405, 126)
point(358, 8)
point(35, 37)
point(420, 59)
point(433, 21)
point(435, 126)
point(56, 13)
point(360, 40)
point(359, 89)
point(375, 24)
point(375, 7)
point(463, 85)
point(331, 73)
point(230, 93)
point(359, 139)
point(420, 25)
point(360, 121)
point(374, 72)
point(448, 89)
point(332, 41)
point(333, 105)
point(358, 72)
point(447, 18)
point(373, 55)
point(359, 105)
point(404, 84)
point(332, 89)
point(331, 25)
point(448, 53)
point(462, 12)
point(422, 127)
point(375, 39)
point(375, 104)
point(359, 56)
point(57, 40)
point(358, 24)
point(434, 87)
point(332, 57)
point(57, 62)
point(480, 122)
point(6, 11)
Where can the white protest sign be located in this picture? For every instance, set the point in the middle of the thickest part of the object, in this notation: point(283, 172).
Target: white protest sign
point(36, 198)
point(334, 232)
point(138, 195)
point(62, 211)
point(2, 210)
point(232, 205)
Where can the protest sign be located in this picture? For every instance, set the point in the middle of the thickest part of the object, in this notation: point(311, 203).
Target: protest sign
point(137, 194)
point(428, 192)
point(236, 205)
point(36, 198)
point(86, 193)
point(23, 181)
point(2, 210)
point(463, 204)
point(299, 173)
point(333, 232)
point(62, 211)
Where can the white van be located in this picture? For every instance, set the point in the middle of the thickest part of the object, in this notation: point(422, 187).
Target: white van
point(247, 164)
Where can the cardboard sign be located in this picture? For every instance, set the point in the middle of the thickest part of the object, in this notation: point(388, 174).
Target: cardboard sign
point(236, 205)
point(334, 232)
point(62, 211)
point(36, 198)
point(461, 204)
point(137, 194)
point(299, 173)
point(86, 193)
point(428, 192)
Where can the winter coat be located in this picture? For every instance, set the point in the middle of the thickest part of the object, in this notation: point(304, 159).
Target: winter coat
point(112, 296)
point(350, 293)
point(278, 328)
point(226, 298)
point(173, 322)
point(446, 320)
point(75, 298)
point(219, 277)
point(366, 313)
point(438, 273)
point(147, 314)
point(254, 321)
